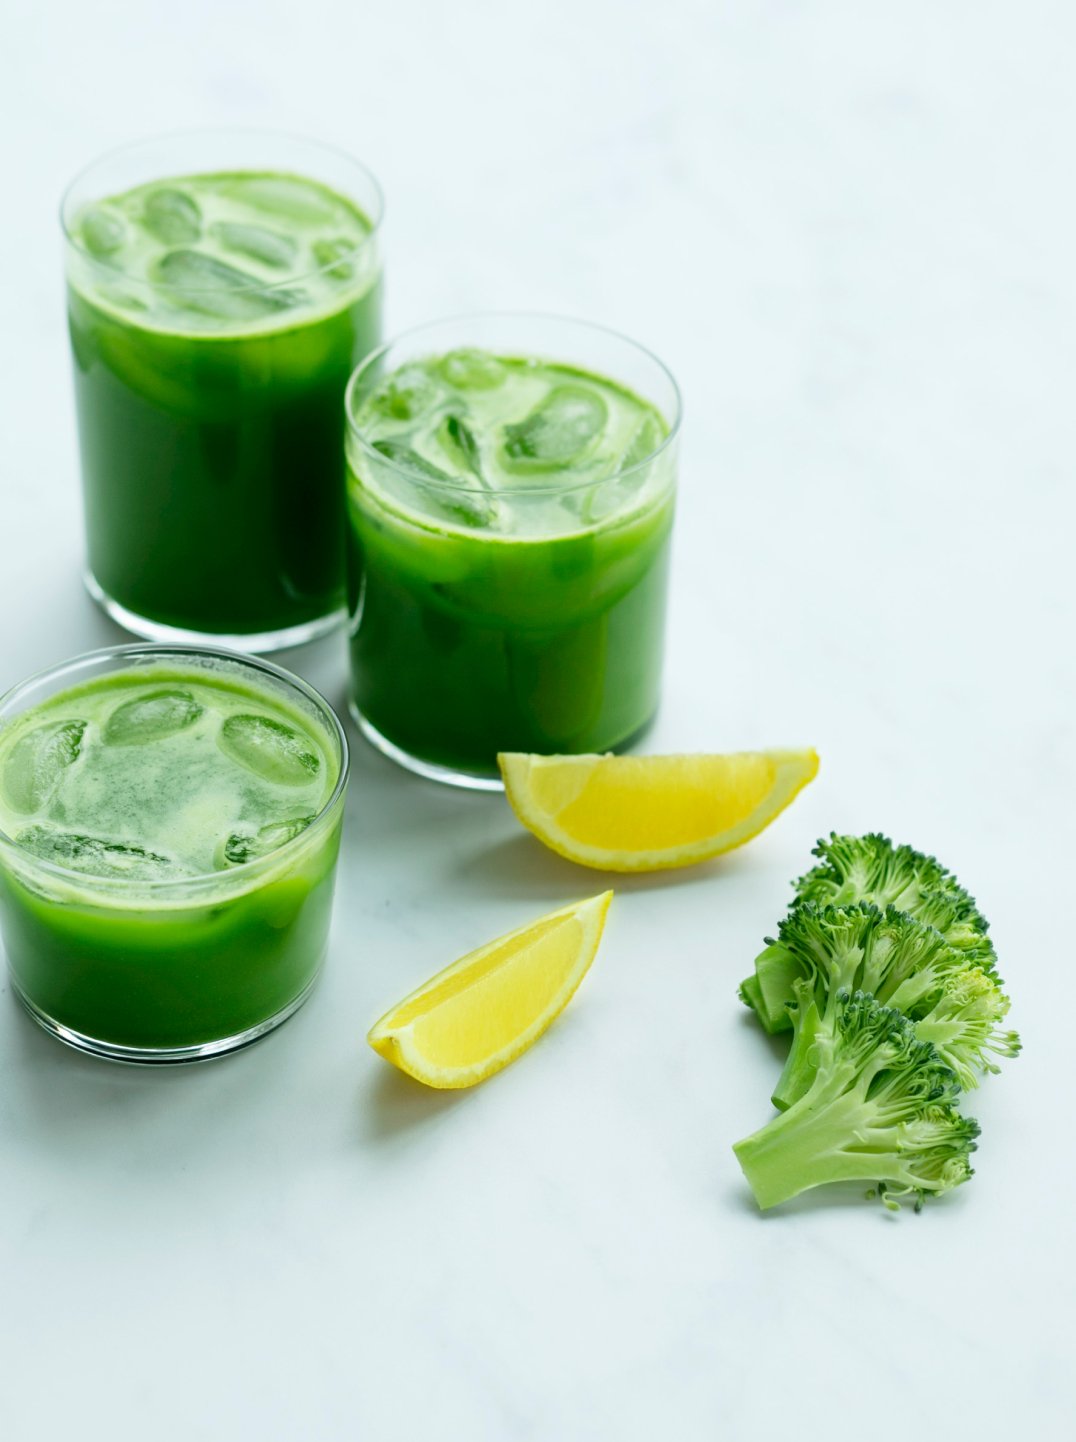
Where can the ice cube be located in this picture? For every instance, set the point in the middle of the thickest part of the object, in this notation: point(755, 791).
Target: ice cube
point(37, 762)
point(269, 748)
point(215, 288)
point(103, 231)
point(256, 242)
point(472, 507)
point(559, 431)
point(604, 498)
point(458, 440)
point(117, 295)
point(333, 253)
point(621, 479)
point(250, 846)
point(172, 216)
point(152, 717)
point(406, 395)
point(286, 196)
point(472, 370)
point(644, 442)
point(401, 454)
point(96, 856)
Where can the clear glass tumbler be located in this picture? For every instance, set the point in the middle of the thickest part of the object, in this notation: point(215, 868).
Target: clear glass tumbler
point(511, 486)
point(221, 287)
point(113, 946)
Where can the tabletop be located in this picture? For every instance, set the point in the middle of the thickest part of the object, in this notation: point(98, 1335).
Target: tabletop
point(848, 230)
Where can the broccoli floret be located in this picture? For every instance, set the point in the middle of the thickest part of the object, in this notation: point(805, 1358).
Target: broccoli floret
point(870, 869)
point(964, 1025)
point(849, 946)
point(942, 912)
point(906, 965)
point(879, 1110)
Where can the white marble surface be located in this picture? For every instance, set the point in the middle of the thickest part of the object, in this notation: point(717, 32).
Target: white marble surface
point(849, 230)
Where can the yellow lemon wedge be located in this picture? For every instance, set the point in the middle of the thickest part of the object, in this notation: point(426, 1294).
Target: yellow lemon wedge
point(484, 1010)
point(648, 813)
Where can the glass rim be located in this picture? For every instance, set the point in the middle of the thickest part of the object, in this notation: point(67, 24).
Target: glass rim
point(449, 484)
point(252, 132)
point(246, 871)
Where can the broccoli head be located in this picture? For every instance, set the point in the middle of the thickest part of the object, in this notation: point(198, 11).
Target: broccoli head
point(871, 868)
point(851, 946)
point(964, 1023)
point(907, 966)
point(879, 1109)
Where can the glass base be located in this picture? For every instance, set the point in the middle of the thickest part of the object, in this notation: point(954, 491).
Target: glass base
point(447, 775)
point(159, 1056)
point(254, 642)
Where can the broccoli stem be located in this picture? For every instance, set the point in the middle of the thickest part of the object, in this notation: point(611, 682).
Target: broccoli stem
point(879, 1110)
point(807, 1146)
point(751, 994)
point(801, 1063)
point(769, 989)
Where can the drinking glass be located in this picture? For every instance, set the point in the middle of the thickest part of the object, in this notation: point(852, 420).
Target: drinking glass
point(169, 969)
point(221, 287)
point(524, 616)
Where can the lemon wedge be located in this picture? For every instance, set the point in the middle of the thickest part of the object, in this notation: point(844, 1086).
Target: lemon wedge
point(647, 813)
point(484, 1010)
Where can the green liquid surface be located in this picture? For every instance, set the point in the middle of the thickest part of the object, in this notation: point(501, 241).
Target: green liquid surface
point(510, 525)
point(165, 775)
point(214, 322)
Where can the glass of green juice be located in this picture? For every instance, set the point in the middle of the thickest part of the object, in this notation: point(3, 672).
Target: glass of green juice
point(221, 287)
point(169, 825)
point(511, 486)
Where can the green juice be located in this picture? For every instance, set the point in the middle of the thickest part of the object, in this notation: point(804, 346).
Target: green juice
point(214, 321)
point(168, 836)
point(510, 528)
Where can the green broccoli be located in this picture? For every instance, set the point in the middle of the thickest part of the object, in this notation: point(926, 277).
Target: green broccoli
point(963, 1025)
point(871, 868)
point(906, 965)
point(856, 869)
point(879, 1110)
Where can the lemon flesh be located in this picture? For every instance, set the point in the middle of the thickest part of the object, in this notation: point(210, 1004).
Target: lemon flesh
point(648, 813)
point(484, 1010)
